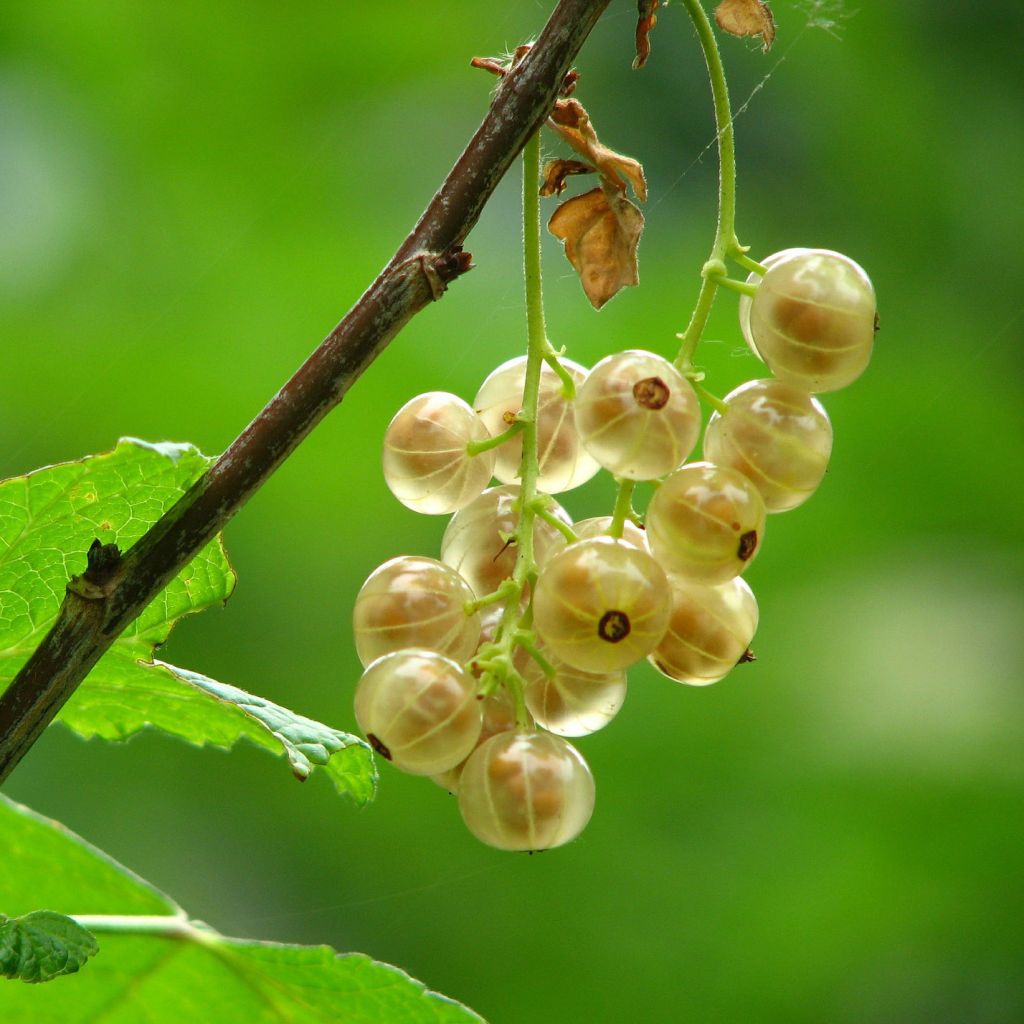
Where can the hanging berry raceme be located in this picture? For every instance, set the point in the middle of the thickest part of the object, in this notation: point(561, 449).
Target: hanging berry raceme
point(480, 663)
point(522, 633)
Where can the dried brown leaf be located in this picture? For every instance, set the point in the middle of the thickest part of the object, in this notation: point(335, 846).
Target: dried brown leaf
point(646, 20)
point(572, 122)
point(747, 18)
point(556, 171)
point(601, 231)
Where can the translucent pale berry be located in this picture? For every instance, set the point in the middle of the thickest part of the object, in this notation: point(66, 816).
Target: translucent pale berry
point(777, 436)
point(476, 543)
point(572, 702)
point(412, 601)
point(705, 522)
point(709, 632)
point(812, 319)
point(637, 415)
point(498, 716)
point(598, 527)
point(426, 465)
point(562, 460)
point(601, 605)
point(744, 300)
point(419, 710)
point(526, 791)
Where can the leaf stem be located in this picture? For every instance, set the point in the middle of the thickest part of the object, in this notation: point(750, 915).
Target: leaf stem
point(726, 244)
point(171, 926)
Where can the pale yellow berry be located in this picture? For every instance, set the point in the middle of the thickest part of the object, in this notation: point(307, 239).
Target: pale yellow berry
point(526, 790)
point(562, 461)
point(601, 605)
point(426, 463)
point(478, 545)
point(413, 601)
point(419, 710)
point(709, 632)
point(637, 415)
point(813, 320)
point(777, 436)
point(705, 522)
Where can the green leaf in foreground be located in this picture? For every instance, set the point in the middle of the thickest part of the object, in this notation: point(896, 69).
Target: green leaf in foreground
point(42, 945)
point(48, 519)
point(156, 965)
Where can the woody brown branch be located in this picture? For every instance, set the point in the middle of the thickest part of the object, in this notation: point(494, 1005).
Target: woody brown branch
point(93, 616)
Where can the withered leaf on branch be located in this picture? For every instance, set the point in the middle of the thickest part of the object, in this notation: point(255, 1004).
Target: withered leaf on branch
point(572, 122)
point(601, 231)
point(646, 21)
point(747, 18)
point(556, 171)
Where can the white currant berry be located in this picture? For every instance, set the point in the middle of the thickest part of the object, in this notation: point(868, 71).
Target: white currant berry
point(526, 790)
point(419, 710)
point(777, 436)
point(637, 415)
point(476, 543)
point(498, 716)
point(413, 601)
point(562, 461)
point(709, 632)
point(601, 605)
point(705, 522)
point(745, 300)
point(598, 527)
point(813, 318)
point(426, 464)
point(572, 702)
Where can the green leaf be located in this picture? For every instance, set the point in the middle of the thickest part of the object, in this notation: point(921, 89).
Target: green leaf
point(125, 696)
point(158, 966)
point(48, 519)
point(42, 945)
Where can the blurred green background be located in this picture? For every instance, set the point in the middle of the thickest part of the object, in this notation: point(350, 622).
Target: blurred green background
point(191, 194)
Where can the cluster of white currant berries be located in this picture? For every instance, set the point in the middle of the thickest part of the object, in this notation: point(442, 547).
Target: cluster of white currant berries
point(478, 664)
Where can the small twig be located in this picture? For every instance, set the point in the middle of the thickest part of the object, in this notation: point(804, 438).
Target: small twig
point(91, 619)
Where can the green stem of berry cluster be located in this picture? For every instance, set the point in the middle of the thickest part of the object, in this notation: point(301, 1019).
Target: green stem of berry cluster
point(623, 508)
point(479, 447)
point(513, 630)
point(726, 244)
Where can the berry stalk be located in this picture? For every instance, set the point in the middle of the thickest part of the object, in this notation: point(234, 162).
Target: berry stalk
point(538, 350)
point(726, 244)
